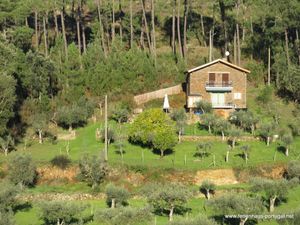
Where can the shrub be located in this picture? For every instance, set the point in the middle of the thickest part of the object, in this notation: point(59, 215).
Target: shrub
point(124, 216)
point(293, 169)
point(21, 169)
point(61, 161)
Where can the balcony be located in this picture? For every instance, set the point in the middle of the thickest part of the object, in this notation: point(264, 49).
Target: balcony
point(223, 106)
point(218, 87)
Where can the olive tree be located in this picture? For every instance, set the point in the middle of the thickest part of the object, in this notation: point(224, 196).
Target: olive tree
point(124, 215)
point(21, 169)
point(272, 190)
point(116, 196)
point(204, 106)
point(237, 204)
point(207, 187)
point(8, 193)
point(202, 149)
point(179, 116)
point(167, 198)
point(92, 169)
point(209, 120)
point(6, 144)
point(233, 134)
point(246, 151)
point(61, 212)
point(287, 140)
point(222, 126)
point(120, 113)
point(267, 131)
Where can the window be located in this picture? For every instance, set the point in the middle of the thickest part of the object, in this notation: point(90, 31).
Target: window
point(192, 100)
point(237, 95)
point(225, 78)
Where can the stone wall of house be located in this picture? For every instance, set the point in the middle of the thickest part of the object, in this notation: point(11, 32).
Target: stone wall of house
point(146, 97)
point(198, 79)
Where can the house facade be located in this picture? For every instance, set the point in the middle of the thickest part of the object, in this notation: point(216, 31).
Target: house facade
point(219, 82)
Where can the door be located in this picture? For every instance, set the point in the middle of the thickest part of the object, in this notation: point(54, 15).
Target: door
point(217, 99)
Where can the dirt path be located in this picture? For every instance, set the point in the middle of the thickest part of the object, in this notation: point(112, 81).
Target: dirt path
point(219, 176)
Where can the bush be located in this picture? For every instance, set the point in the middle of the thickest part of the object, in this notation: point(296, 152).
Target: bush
point(61, 161)
point(293, 170)
point(21, 169)
point(124, 216)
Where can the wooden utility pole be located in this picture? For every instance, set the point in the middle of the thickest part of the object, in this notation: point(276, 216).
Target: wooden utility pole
point(105, 132)
point(269, 66)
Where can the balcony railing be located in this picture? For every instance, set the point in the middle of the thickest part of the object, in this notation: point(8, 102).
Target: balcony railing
point(218, 86)
point(228, 105)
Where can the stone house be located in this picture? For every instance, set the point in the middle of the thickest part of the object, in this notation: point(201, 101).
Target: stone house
point(219, 82)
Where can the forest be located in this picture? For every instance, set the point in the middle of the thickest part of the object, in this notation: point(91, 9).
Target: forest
point(57, 56)
point(60, 58)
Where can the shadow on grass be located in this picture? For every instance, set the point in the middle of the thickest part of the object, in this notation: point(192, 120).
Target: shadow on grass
point(25, 207)
point(281, 149)
point(166, 152)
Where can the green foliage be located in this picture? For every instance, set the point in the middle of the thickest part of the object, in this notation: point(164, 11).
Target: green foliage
point(7, 143)
point(7, 218)
point(74, 114)
point(198, 220)
point(202, 149)
point(92, 170)
point(180, 117)
point(265, 95)
point(124, 215)
point(21, 38)
point(204, 106)
point(116, 196)
point(233, 134)
point(209, 120)
point(167, 197)
point(236, 204)
point(207, 187)
point(293, 169)
point(120, 113)
point(154, 128)
point(272, 190)
point(7, 99)
point(244, 119)
point(111, 135)
point(21, 169)
point(266, 131)
point(257, 72)
point(8, 193)
point(61, 212)
point(61, 161)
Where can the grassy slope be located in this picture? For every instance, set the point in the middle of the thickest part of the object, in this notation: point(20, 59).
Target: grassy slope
point(196, 206)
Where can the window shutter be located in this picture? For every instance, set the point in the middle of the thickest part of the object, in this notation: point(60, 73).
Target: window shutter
point(212, 78)
point(225, 78)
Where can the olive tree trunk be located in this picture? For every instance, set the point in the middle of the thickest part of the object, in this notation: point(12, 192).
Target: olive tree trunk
point(272, 203)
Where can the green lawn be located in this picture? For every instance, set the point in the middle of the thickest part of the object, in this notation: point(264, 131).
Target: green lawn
point(135, 155)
